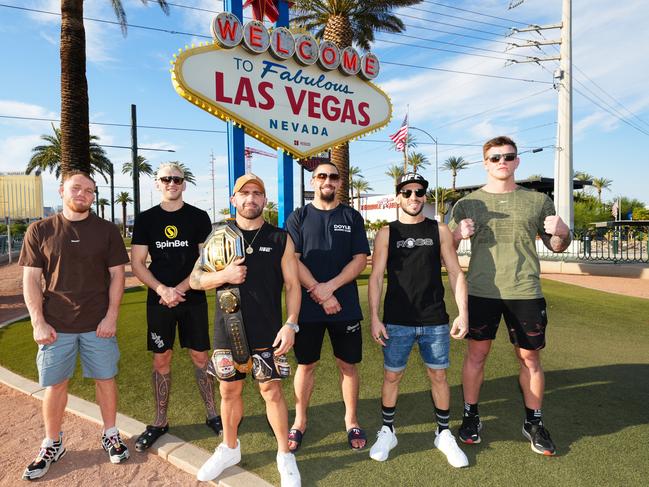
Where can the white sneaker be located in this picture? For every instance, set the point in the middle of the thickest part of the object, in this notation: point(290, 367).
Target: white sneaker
point(386, 440)
point(445, 442)
point(288, 471)
point(222, 458)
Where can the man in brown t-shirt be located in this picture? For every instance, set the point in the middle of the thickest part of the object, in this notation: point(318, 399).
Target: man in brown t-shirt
point(81, 258)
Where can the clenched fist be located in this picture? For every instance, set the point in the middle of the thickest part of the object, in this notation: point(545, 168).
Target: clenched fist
point(465, 229)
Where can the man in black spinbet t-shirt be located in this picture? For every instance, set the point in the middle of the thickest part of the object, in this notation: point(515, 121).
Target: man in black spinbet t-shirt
point(412, 249)
point(332, 248)
point(172, 234)
point(268, 264)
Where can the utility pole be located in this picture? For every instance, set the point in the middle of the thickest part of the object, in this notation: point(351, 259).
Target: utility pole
point(563, 166)
point(136, 169)
point(213, 190)
point(563, 180)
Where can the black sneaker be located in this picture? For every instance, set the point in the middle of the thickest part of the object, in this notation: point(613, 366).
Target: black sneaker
point(539, 437)
point(116, 448)
point(215, 424)
point(46, 456)
point(469, 432)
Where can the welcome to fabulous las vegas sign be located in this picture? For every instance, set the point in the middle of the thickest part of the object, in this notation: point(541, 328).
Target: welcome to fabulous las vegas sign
point(286, 90)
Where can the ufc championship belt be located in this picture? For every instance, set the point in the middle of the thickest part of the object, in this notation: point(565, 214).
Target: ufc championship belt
point(223, 246)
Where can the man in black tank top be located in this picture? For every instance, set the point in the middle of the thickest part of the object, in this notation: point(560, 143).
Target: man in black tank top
point(269, 263)
point(412, 249)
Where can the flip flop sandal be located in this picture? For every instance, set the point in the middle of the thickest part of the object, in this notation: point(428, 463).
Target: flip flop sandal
point(356, 434)
point(149, 437)
point(295, 436)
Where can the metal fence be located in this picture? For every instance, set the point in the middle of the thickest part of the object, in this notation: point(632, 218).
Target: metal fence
point(16, 245)
point(617, 244)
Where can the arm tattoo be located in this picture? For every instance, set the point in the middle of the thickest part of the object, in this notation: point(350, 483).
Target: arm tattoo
point(195, 276)
point(556, 243)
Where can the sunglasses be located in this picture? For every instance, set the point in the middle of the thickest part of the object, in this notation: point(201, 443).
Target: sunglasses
point(168, 179)
point(509, 157)
point(323, 176)
point(406, 193)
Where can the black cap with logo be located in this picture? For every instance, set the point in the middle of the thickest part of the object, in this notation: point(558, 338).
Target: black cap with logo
point(411, 177)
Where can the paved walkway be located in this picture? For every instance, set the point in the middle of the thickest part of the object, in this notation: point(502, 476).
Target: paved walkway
point(627, 286)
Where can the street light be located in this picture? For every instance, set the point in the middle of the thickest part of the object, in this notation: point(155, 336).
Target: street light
point(436, 168)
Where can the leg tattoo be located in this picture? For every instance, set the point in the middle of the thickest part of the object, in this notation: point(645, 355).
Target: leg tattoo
point(161, 387)
point(205, 384)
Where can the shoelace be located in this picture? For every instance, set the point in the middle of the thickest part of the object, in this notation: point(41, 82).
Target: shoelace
point(543, 433)
point(46, 453)
point(115, 440)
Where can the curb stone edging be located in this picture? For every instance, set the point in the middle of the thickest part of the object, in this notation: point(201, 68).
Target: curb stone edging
point(183, 455)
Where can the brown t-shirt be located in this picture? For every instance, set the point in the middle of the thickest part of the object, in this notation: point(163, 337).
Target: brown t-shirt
point(75, 257)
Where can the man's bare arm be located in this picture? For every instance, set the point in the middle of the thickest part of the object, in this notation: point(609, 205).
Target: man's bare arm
point(44, 333)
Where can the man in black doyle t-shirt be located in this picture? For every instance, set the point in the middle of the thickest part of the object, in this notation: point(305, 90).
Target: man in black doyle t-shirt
point(332, 248)
point(172, 234)
point(412, 249)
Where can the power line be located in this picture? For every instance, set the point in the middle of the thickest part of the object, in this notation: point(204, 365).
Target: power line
point(208, 37)
point(621, 119)
point(457, 17)
point(153, 127)
point(475, 12)
point(442, 50)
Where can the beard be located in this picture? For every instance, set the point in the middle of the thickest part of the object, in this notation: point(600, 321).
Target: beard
point(327, 197)
point(78, 206)
point(408, 211)
point(250, 212)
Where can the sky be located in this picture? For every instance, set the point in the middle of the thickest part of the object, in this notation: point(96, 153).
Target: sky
point(461, 110)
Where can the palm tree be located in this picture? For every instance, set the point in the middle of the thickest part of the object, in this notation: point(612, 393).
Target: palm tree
point(395, 172)
point(270, 212)
point(346, 22)
point(455, 165)
point(353, 171)
point(584, 177)
point(124, 198)
point(75, 131)
point(49, 156)
point(360, 185)
point(102, 202)
point(600, 184)
point(446, 196)
point(418, 161)
point(143, 167)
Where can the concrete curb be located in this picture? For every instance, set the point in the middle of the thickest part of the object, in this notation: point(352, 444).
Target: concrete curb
point(179, 453)
point(13, 320)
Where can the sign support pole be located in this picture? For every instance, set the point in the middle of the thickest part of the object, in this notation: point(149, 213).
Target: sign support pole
point(236, 141)
point(284, 160)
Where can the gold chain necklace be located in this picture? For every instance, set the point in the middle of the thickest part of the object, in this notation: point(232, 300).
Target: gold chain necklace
point(249, 249)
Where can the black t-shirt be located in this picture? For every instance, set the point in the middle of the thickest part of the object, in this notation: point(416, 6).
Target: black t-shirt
point(415, 295)
point(173, 238)
point(327, 241)
point(261, 292)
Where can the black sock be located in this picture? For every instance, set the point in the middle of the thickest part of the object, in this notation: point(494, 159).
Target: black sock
point(533, 416)
point(388, 416)
point(442, 416)
point(470, 410)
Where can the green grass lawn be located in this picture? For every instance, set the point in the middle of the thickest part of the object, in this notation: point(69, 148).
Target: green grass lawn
point(597, 374)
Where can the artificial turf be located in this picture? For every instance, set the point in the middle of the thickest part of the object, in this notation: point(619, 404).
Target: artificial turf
point(597, 391)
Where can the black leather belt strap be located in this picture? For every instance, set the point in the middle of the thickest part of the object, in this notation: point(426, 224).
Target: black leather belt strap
point(229, 302)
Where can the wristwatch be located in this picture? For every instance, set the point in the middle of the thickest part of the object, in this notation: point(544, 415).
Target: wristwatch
point(293, 326)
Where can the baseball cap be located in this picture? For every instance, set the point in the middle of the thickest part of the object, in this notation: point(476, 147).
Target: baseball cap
point(248, 178)
point(411, 177)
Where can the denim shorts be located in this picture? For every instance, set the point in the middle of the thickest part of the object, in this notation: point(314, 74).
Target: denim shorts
point(433, 342)
point(56, 362)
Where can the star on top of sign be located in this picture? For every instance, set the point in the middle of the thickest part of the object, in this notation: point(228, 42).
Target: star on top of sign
point(264, 8)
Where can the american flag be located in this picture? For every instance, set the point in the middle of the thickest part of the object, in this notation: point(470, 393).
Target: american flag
point(400, 136)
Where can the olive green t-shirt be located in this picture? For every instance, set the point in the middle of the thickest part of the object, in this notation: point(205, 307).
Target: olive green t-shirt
point(504, 263)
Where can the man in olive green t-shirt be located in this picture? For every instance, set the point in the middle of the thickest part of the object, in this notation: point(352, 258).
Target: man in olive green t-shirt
point(503, 220)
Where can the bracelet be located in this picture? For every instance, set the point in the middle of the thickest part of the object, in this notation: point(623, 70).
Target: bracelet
point(293, 326)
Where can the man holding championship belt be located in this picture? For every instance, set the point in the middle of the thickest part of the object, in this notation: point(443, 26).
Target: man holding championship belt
point(248, 262)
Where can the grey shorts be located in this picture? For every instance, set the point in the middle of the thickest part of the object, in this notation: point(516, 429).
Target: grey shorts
point(56, 362)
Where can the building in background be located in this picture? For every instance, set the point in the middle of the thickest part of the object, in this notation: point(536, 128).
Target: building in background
point(21, 196)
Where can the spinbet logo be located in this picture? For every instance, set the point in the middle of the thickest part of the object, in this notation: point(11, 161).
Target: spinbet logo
point(171, 231)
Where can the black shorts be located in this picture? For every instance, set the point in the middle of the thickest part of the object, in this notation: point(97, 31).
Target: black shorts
point(346, 341)
point(192, 323)
point(526, 320)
